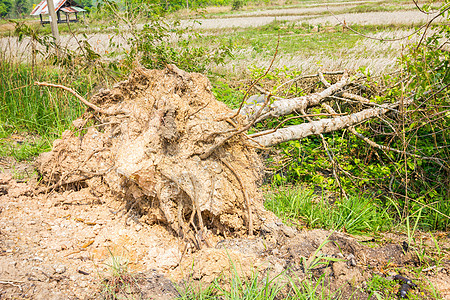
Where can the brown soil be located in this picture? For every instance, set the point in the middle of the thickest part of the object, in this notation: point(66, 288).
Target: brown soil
point(128, 186)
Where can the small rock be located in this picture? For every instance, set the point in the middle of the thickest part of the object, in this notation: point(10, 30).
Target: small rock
point(37, 258)
point(3, 190)
point(5, 178)
point(60, 269)
point(351, 260)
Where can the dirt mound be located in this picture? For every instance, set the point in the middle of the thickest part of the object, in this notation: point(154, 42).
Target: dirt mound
point(143, 145)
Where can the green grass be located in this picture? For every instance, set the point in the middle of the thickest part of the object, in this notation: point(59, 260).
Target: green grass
point(259, 287)
point(293, 39)
point(357, 214)
point(26, 107)
point(300, 43)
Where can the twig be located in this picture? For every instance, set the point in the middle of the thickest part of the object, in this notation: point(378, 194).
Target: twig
point(365, 103)
point(323, 80)
point(355, 97)
point(86, 177)
point(330, 156)
point(10, 280)
point(421, 10)
point(198, 110)
point(13, 283)
point(256, 81)
point(84, 101)
point(308, 76)
point(196, 205)
point(244, 192)
point(344, 94)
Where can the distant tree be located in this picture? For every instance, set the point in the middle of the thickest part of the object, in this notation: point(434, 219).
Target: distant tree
point(20, 7)
point(85, 3)
point(5, 8)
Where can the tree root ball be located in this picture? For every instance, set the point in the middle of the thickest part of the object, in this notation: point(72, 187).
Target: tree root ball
point(146, 151)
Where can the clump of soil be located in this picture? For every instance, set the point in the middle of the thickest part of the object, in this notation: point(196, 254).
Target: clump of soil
point(145, 149)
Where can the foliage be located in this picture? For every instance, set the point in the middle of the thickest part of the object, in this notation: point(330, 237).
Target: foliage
point(237, 4)
point(20, 7)
point(382, 288)
point(5, 8)
point(26, 107)
point(226, 94)
point(237, 287)
point(22, 149)
point(160, 42)
point(120, 283)
point(85, 3)
point(408, 183)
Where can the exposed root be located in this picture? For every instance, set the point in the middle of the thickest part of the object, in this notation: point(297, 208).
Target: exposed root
point(79, 97)
point(154, 156)
point(244, 192)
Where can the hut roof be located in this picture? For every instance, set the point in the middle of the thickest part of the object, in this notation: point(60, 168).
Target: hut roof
point(42, 8)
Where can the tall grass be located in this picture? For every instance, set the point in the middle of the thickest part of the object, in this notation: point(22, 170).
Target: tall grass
point(357, 214)
point(26, 107)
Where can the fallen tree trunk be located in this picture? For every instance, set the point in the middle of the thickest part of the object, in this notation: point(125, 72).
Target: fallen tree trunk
point(288, 106)
point(154, 141)
point(269, 138)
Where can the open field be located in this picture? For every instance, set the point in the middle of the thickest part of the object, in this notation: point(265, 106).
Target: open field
point(301, 47)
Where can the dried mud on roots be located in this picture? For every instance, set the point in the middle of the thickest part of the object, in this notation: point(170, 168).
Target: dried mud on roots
point(146, 150)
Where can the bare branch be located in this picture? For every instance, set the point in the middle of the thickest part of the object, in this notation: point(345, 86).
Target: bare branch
point(308, 76)
point(296, 132)
point(292, 118)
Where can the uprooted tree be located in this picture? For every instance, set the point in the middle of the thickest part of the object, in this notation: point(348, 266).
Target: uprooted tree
point(161, 142)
